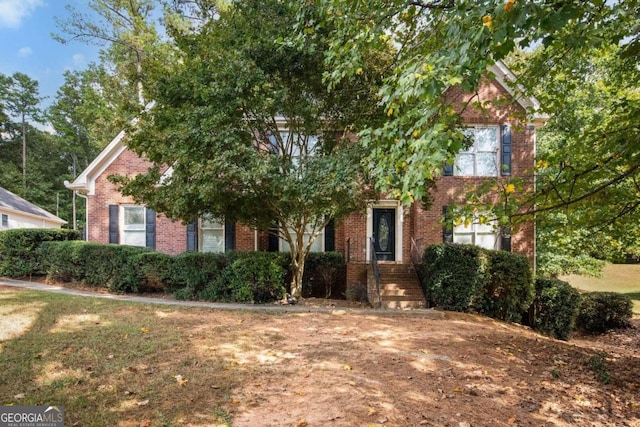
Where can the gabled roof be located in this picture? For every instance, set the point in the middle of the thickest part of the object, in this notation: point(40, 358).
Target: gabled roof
point(85, 182)
point(14, 203)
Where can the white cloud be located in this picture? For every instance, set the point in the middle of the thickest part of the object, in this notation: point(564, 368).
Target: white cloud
point(23, 52)
point(12, 12)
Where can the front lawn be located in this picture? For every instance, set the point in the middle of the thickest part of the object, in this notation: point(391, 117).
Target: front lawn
point(113, 363)
point(621, 278)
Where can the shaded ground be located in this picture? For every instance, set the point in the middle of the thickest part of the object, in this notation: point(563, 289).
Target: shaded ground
point(116, 363)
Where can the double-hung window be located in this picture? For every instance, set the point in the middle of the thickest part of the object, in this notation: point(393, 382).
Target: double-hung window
point(476, 233)
point(481, 157)
point(316, 246)
point(133, 227)
point(211, 236)
point(5, 220)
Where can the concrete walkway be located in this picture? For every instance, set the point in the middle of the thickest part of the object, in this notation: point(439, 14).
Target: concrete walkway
point(428, 313)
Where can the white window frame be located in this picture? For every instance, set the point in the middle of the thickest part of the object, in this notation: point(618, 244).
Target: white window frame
point(205, 224)
point(475, 151)
point(477, 231)
point(5, 220)
point(125, 229)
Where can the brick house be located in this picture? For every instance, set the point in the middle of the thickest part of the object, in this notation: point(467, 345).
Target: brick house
point(500, 148)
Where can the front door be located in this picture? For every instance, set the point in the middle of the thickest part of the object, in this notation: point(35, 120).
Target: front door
point(384, 234)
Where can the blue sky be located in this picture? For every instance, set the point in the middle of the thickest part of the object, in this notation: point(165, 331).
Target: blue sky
point(26, 44)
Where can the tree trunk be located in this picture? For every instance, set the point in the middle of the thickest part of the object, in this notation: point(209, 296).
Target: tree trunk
point(24, 156)
point(297, 267)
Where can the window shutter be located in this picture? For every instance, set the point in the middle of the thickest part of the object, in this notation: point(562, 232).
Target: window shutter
point(505, 151)
point(330, 237)
point(150, 215)
point(192, 236)
point(447, 229)
point(229, 236)
point(448, 170)
point(274, 240)
point(505, 239)
point(113, 224)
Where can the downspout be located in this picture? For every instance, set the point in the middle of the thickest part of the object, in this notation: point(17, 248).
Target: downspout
point(255, 239)
point(86, 214)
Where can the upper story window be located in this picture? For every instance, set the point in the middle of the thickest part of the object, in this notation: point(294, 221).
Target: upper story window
point(295, 145)
point(5, 220)
point(133, 226)
point(211, 236)
point(481, 158)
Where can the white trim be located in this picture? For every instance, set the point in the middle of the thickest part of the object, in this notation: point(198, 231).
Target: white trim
point(85, 183)
point(506, 79)
point(385, 204)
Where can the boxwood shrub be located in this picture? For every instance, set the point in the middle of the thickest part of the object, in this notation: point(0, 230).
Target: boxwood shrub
point(508, 288)
point(599, 312)
point(554, 308)
point(467, 278)
point(454, 276)
point(19, 249)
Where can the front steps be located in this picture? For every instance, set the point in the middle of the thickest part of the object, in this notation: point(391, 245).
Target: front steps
point(399, 287)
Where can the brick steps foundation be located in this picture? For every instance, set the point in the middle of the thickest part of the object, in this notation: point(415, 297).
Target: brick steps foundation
point(399, 287)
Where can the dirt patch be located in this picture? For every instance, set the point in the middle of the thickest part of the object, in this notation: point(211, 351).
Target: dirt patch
point(362, 368)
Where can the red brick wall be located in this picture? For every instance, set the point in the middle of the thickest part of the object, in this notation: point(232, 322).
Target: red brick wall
point(351, 235)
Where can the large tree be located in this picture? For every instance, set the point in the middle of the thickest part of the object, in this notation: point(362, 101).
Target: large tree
point(246, 130)
point(451, 42)
point(588, 176)
point(21, 98)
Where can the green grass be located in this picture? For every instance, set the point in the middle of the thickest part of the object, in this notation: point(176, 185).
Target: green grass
point(621, 278)
point(102, 360)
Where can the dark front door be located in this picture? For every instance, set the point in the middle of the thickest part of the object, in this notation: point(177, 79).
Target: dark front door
point(384, 234)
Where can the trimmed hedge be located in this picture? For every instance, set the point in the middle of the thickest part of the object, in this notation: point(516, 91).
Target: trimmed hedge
point(467, 278)
point(19, 249)
point(554, 308)
point(454, 276)
point(508, 289)
point(114, 267)
point(599, 312)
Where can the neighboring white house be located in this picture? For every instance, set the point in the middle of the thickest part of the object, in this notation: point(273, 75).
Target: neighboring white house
point(16, 212)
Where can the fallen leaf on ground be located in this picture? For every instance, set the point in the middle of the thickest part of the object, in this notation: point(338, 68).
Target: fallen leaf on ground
point(346, 367)
point(144, 330)
point(180, 380)
point(143, 402)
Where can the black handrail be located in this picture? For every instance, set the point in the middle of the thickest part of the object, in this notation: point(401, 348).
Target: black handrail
point(376, 272)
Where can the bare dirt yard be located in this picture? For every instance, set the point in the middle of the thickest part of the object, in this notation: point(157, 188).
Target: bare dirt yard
point(125, 364)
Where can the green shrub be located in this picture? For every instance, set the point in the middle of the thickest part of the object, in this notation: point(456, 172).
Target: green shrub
point(255, 277)
point(155, 269)
point(19, 249)
point(599, 312)
point(59, 261)
point(454, 276)
point(508, 288)
point(113, 267)
point(554, 308)
point(194, 271)
point(324, 274)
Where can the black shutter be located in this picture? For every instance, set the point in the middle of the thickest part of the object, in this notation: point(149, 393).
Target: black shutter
point(330, 237)
point(447, 228)
point(113, 224)
point(505, 151)
point(192, 236)
point(505, 239)
point(448, 170)
point(151, 228)
point(274, 240)
point(229, 236)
